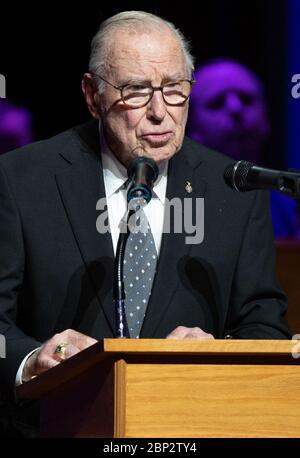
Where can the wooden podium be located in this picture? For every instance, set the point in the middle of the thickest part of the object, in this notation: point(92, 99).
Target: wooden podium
point(171, 388)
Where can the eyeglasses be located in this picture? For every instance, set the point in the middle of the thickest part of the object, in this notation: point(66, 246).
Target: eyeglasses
point(139, 95)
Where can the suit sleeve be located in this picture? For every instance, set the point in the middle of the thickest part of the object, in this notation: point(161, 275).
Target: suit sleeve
point(12, 262)
point(258, 305)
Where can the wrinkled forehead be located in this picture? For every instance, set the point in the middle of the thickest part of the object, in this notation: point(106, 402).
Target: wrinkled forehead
point(220, 78)
point(152, 51)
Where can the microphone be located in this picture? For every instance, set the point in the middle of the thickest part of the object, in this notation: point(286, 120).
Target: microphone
point(142, 173)
point(245, 176)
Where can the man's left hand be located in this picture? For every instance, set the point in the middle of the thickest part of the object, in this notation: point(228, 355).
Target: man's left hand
point(181, 332)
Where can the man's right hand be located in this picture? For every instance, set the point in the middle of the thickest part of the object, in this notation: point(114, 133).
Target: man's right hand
point(45, 357)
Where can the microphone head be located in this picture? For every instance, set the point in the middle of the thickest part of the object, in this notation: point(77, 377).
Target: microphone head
point(142, 172)
point(235, 175)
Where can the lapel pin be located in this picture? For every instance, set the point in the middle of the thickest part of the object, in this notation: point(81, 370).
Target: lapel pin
point(188, 187)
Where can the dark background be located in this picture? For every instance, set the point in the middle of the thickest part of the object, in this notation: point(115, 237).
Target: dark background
point(44, 50)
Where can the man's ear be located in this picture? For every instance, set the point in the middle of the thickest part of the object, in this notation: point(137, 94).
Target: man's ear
point(90, 91)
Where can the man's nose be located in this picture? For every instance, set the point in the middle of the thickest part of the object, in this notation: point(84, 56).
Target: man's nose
point(156, 108)
point(234, 103)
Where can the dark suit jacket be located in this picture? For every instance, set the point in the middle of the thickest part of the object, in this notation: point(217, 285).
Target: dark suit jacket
point(56, 271)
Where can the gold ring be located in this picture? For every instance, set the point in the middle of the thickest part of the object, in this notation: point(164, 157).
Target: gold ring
point(60, 349)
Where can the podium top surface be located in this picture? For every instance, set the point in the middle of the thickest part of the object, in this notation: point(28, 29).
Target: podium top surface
point(162, 351)
point(201, 347)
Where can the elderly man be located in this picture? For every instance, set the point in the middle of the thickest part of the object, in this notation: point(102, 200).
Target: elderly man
point(56, 271)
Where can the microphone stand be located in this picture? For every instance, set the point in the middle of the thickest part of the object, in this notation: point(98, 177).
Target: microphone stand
point(119, 290)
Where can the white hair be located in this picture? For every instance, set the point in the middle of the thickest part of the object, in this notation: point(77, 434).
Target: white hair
point(131, 20)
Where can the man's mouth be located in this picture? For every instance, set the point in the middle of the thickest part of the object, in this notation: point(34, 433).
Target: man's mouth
point(157, 138)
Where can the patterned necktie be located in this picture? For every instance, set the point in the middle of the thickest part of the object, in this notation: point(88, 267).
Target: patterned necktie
point(139, 269)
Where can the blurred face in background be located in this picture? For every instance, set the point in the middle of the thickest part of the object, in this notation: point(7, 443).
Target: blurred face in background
point(15, 127)
point(228, 111)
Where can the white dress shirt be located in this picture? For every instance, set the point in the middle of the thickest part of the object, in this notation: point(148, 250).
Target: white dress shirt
point(115, 175)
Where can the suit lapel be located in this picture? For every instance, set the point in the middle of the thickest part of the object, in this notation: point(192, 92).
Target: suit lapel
point(182, 183)
point(80, 186)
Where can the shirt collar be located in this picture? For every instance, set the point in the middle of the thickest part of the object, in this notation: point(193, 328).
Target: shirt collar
point(115, 174)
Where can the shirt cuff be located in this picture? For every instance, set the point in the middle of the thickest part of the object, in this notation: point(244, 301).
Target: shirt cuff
point(18, 380)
